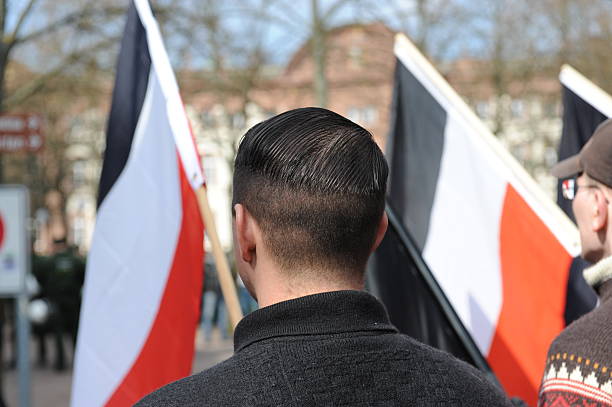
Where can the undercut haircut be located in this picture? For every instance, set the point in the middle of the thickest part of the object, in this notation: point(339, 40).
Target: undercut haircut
point(315, 182)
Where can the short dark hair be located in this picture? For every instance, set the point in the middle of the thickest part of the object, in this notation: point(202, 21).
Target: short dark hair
point(315, 182)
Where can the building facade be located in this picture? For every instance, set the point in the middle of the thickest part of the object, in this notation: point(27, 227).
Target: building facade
point(359, 71)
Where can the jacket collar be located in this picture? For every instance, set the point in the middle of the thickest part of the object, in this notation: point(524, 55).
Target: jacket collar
point(599, 276)
point(325, 313)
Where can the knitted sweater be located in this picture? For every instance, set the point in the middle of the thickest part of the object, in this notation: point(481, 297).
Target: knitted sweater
point(579, 364)
point(329, 349)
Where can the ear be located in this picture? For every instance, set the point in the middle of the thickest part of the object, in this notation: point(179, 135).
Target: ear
point(600, 211)
point(380, 231)
point(245, 234)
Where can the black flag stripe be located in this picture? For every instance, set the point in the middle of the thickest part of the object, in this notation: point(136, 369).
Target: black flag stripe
point(414, 152)
point(129, 92)
point(413, 177)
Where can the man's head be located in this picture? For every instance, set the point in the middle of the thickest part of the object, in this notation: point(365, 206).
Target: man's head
point(314, 184)
point(591, 191)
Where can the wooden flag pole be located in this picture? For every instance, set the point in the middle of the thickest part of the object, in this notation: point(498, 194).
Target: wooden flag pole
point(228, 288)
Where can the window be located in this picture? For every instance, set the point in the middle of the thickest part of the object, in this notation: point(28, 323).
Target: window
point(79, 176)
point(238, 121)
point(207, 119)
point(210, 171)
point(365, 116)
point(78, 231)
point(482, 109)
point(517, 108)
point(356, 56)
point(551, 109)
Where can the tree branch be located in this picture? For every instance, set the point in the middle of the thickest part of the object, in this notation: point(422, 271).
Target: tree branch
point(2, 15)
point(332, 10)
point(68, 19)
point(32, 87)
point(265, 16)
point(290, 9)
point(21, 20)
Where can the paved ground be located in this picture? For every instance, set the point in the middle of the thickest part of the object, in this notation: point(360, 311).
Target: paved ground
point(52, 389)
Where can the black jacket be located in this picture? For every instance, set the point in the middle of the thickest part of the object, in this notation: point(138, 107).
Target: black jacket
point(329, 349)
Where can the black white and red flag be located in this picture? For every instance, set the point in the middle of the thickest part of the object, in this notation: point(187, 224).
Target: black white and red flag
point(144, 271)
point(496, 246)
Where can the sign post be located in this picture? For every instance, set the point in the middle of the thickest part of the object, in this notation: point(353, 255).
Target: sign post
point(14, 266)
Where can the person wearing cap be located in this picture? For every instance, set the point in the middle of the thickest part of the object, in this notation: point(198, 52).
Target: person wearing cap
point(579, 363)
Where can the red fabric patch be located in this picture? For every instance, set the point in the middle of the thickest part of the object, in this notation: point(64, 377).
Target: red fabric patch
point(534, 267)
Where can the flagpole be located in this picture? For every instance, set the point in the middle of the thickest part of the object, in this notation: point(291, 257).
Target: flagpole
point(228, 288)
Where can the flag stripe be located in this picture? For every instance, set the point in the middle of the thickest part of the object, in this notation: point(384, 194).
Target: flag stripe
point(415, 188)
point(534, 271)
point(128, 96)
point(581, 119)
point(173, 320)
point(451, 248)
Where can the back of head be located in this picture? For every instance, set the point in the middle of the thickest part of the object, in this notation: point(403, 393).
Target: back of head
point(315, 183)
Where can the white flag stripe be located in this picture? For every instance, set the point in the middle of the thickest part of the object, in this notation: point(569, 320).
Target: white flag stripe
point(463, 266)
point(124, 287)
point(174, 109)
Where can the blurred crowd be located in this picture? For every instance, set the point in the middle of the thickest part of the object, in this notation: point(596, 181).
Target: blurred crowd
point(55, 290)
point(214, 311)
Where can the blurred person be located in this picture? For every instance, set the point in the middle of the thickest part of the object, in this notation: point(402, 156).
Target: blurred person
point(222, 316)
point(209, 299)
point(40, 329)
point(8, 314)
point(309, 199)
point(579, 363)
point(247, 303)
point(214, 311)
point(8, 331)
point(61, 281)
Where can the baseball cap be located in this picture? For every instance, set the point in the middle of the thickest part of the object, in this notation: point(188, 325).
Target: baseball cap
point(595, 158)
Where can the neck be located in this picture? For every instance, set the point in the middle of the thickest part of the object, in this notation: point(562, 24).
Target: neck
point(275, 285)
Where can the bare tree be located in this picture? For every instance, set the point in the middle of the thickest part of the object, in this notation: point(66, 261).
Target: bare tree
point(311, 24)
point(33, 26)
point(579, 33)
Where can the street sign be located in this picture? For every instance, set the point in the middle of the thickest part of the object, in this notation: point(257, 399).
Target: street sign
point(14, 264)
point(14, 250)
point(20, 132)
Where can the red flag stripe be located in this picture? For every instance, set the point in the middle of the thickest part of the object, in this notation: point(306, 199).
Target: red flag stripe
point(530, 283)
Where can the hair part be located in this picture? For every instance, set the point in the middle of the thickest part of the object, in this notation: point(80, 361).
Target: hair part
point(315, 182)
